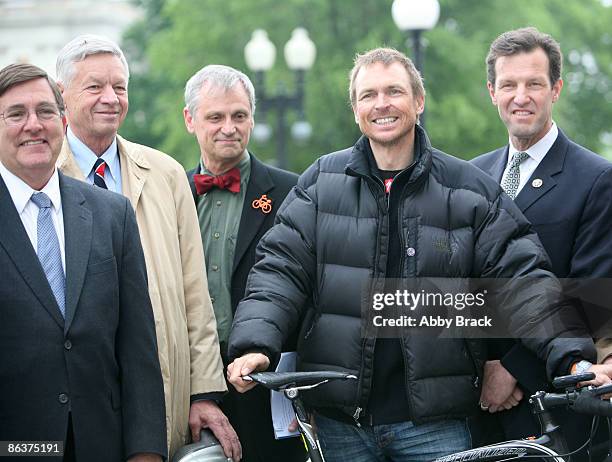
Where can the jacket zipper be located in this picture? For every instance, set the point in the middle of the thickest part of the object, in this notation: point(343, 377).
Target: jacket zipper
point(356, 416)
point(383, 205)
point(406, 389)
point(476, 381)
point(404, 244)
point(387, 203)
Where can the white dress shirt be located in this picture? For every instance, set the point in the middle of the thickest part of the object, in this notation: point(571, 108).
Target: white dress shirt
point(28, 211)
point(536, 155)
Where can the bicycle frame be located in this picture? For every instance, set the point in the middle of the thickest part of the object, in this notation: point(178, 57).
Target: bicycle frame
point(508, 450)
point(305, 428)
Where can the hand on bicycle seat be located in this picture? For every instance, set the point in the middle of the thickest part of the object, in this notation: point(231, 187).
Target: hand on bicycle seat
point(244, 365)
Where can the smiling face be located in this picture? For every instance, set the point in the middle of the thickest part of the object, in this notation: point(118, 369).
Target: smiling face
point(96, 100)
point(222, 124)
point(385, 107)
point(524, 96)
point(30, 150)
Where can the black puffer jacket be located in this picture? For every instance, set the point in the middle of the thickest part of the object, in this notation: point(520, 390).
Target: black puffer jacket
point(332, 238)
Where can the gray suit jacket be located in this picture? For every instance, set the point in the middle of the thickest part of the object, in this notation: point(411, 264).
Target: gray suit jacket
point(100, 363)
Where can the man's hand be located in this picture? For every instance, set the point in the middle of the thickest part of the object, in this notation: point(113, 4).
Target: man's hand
point(514, 399)
point(251, 362)
point(603, 374)
point(206, 414)
point(499, 390)
point(145, 457)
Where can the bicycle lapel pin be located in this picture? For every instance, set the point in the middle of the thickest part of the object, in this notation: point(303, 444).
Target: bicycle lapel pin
point(263, 203)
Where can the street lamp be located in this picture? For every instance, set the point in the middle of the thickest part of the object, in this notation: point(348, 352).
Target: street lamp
point(300, 53)
point(416, 16)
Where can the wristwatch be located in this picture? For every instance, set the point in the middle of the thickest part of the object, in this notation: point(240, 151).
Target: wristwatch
point(581, 366)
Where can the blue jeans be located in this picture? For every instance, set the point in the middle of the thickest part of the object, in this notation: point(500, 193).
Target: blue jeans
point(399, 442)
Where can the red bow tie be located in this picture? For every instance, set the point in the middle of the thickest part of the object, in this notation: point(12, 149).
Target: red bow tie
point(229, 180)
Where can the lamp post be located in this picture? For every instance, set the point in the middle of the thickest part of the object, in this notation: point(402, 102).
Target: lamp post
point(415, 17)
point(300, 54)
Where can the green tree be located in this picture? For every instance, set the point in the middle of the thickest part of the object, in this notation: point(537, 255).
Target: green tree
point(181, 36)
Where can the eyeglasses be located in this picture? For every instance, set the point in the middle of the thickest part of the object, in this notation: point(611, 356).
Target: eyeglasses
point(18, 117)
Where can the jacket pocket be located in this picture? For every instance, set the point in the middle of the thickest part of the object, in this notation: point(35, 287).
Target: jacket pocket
point(410, 227)
point(103, 266)
point(474, 350)
point(310, 321)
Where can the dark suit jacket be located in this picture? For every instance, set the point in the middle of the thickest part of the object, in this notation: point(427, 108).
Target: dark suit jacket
point(100, 363)
point(249, 413)
point(572, 213)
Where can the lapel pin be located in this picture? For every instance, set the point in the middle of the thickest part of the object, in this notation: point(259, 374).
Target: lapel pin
point(263, 203)
point(537, 183)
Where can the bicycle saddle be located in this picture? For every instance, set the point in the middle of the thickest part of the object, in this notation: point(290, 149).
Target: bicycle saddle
point(281, 380)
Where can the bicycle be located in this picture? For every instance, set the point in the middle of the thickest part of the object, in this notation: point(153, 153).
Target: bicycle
point(550, 446)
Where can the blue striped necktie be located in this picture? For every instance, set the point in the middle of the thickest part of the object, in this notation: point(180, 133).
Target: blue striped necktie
point(48, 249)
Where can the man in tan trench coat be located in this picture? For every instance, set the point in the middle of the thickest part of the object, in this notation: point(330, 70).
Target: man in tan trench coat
point(93, 76)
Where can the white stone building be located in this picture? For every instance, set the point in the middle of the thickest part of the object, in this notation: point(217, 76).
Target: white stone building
point(33, 31)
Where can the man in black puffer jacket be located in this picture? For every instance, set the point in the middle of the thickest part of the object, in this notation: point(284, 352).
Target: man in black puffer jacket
point(389, 207)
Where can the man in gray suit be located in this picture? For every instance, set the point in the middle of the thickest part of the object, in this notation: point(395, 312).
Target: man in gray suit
point(78, 357)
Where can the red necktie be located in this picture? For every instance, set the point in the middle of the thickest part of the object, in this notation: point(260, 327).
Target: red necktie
point(229, 180)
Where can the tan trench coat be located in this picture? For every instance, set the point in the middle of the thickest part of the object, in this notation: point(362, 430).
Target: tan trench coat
point(187, 340)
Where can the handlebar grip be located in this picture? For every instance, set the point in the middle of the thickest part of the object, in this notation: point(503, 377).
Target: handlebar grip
point(586, 403)
point(602, 389)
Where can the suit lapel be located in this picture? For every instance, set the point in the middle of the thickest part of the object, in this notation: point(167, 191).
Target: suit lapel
point(499, 165)
point(16, 243)
point(78, 229)
point(551, 165)
point(260, 182)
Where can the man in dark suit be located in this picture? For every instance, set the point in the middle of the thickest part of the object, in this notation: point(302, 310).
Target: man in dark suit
point(562, 188)
point(78, 357)
point(237, 198)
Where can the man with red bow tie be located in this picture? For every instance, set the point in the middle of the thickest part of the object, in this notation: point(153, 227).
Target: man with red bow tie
point(237, 197)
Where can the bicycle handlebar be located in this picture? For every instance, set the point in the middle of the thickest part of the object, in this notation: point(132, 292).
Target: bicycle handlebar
point(583, 400)
point(588, 403)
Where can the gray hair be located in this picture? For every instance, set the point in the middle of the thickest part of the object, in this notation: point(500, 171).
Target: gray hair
point(80, 48)
point(218, 76)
